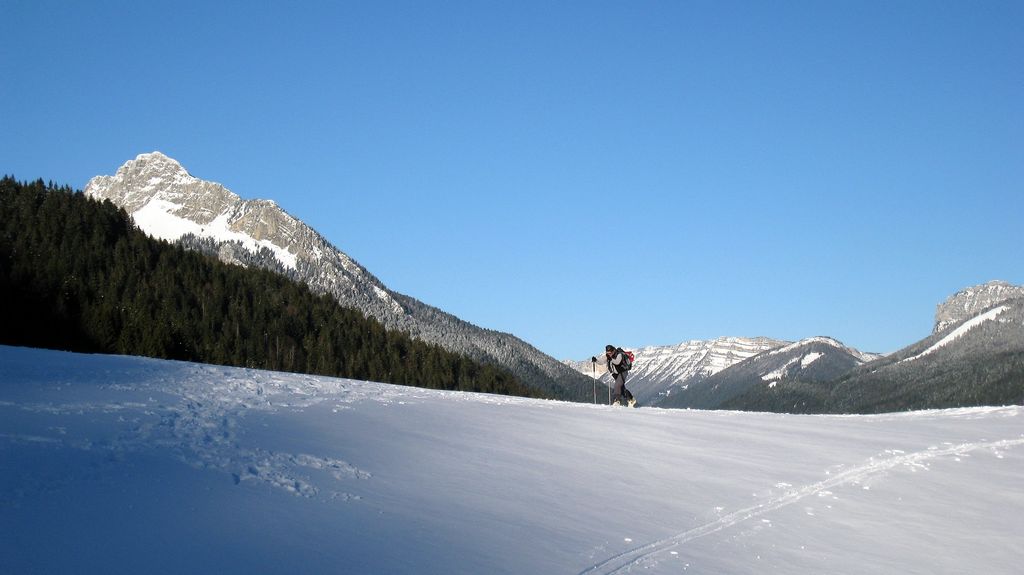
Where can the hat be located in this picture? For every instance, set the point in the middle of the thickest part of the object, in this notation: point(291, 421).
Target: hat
point(609, 348)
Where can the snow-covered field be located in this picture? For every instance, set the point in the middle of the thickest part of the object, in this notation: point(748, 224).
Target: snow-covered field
point(130, 465)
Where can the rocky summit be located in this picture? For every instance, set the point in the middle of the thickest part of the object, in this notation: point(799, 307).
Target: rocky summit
point(971, 301)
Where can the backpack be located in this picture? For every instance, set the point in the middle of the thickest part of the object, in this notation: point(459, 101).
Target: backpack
point(627, 360)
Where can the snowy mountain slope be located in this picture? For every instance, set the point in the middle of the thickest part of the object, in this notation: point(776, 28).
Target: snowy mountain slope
point(129, 465)
point(978, 361)
point(815, 359)
point(961, 330)
point(968, 302)
point(169, 203)
point(662, 370)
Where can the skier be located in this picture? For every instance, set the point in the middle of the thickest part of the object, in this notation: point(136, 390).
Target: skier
point(614, 358)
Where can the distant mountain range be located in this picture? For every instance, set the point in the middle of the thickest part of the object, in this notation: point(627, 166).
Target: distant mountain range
point(816, 359)
point(660, 371)
point(975, 356)
point(169, 203)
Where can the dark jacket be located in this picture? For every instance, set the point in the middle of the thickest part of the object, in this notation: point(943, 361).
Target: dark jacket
point(614, 362)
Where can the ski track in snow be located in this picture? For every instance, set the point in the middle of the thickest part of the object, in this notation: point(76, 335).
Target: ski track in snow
point(637, 556)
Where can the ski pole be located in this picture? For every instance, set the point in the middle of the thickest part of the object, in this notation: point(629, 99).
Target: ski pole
point(593, 360)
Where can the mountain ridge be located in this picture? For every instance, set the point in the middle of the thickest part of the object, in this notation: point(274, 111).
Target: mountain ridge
point(979, 338)
point(817, 358)
point(976, 361)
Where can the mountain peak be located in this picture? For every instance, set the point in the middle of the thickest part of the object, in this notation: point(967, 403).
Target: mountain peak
point(155, 175)
point(156, 163)
point(831, 342)
point(971, 301)
point(819, 339)
point(169, 203)
point(157, 157)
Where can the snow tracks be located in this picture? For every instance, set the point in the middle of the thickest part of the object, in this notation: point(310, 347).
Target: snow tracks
point(638, 556)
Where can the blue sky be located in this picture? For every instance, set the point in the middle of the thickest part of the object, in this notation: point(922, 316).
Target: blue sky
point(574, 173)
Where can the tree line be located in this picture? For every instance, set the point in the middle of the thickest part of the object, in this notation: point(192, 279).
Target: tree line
point(77, 275)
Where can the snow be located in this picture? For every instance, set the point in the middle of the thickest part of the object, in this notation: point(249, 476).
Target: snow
point(809, 359)
point(126, 465)
point(864, 357)
point(960, 331)
point(808, 341)
point(781, 372)
point(158, 220)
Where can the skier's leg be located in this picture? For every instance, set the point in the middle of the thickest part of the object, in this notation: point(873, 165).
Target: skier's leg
point(620, 384)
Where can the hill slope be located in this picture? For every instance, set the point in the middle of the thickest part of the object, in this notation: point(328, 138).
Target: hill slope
point(131, 465)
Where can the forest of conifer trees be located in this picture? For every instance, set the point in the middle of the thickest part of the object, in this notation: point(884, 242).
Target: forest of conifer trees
point(75, 274)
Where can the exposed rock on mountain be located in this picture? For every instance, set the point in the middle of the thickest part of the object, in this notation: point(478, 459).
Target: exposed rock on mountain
point(969, 302)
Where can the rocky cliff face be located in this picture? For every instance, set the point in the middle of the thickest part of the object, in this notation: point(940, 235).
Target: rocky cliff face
point(169, 203)
point(970, 302)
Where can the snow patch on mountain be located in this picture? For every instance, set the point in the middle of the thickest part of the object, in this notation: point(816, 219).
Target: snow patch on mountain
point(158, 219)
point(809, 359)
point(781, 371)
point(864, 357)
point(960, 331)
